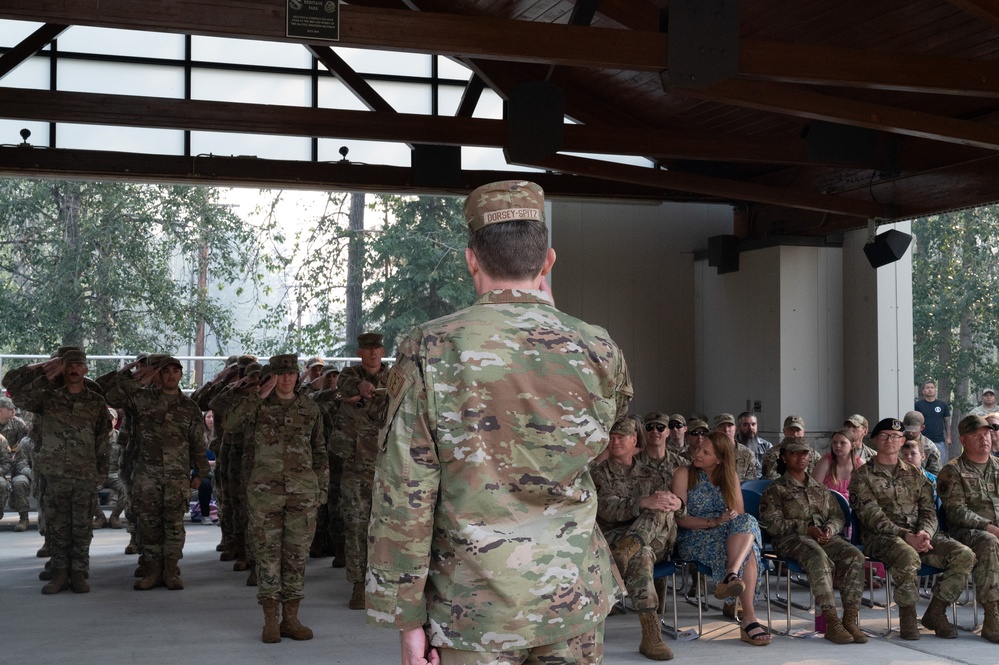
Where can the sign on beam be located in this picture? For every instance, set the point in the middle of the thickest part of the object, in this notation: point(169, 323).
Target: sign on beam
point(314, 19)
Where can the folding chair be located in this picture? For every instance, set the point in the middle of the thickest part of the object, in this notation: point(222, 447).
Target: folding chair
point(662, 570)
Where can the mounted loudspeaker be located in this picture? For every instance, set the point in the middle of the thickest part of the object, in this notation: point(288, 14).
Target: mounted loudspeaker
point(535, 122)
point(887, 247)
point(723, 253)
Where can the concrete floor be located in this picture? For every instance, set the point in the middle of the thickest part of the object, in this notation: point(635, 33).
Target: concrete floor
point(216, 619)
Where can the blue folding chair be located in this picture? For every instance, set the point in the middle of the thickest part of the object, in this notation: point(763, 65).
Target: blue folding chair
point(663, 570)
point(757, 485)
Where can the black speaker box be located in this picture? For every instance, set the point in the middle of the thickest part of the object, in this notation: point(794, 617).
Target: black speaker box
point(887, 247)
point(535, 121)
point(723, 253)
point(436, 165)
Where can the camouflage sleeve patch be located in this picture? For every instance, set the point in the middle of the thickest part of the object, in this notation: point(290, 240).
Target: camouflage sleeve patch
point(401, 378)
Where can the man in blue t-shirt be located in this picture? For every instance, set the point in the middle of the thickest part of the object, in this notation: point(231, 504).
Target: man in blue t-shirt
point(937, 417)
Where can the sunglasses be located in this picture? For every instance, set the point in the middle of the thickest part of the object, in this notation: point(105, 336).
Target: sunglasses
point(676, 425)
point(700, 432)
point(994, 427)
point(659, 427)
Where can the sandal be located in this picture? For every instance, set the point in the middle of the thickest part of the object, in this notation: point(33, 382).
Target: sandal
point(731, 586)
point(755, 634)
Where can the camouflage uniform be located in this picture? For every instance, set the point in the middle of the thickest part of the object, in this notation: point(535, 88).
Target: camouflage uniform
point(970, 496)
point(285, 486)
point(15, 432)
point(619, 489)
point(171, 431)
point(331, 514)
point(483, 528)
point(932, 461)
point(359, 463)
point(113, 481)
point(745, 463)
point(6, 465)
point(787, 509)
point(891, 501)
point(72, 457)
point(234, 466)
point(770, 461)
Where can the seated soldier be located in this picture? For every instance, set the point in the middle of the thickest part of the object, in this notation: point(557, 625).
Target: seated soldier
point(635, 511)
point(969, 491)
point(894, 504)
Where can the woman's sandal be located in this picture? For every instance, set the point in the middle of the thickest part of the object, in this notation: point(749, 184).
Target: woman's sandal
point(754, 634)
point(732, 585)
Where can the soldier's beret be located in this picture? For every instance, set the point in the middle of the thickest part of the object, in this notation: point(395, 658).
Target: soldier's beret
point(887, 425)
point(505, 201)
point(369, 340)
point(286, 362)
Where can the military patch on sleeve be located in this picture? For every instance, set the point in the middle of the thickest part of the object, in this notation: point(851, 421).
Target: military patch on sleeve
point(400, 379)
point(400, 371)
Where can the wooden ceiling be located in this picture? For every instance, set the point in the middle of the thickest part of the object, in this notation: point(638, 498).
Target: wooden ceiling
point(834, 112)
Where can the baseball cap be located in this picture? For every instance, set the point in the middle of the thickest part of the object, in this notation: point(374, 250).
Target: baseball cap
point(795, 443)
point(971, 424)
point(913, 421)
point(988, 390)
point(656, 417)
point(856, 420)
point(504, 201)
point(723, 419)
point(624, 425)
point(694, 424)
point(677, 418)
point(793, 422)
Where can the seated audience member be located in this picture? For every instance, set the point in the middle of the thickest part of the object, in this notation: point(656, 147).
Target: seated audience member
point(696, 433)
point(745, 459)
point(717, 532)
point(635, 511)
point(794, 427)
point(914, 424)
point(894, 504)
point(859, 425)
point(805, 521)
point(968, 491)
point(836, 467)
point(993, 420)
point(912, 453)
point(677, 430)
point(747, 435)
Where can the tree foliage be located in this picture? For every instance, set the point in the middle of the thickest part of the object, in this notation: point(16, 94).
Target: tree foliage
point(95, 264)
point(416, 265)
point(955, 321)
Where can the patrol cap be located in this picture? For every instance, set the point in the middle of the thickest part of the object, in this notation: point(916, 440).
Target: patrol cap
point(314, 361)
point(6, 402)
point(695, 424)
point(265, 372)
point(154, 359)
point(330, 369)
point(723, 419)
point(244, 360)
point(887, 425)
point(253, 368)
point(656, 417)
point(856, 420)
point(231, 360)
point(971, 424)
point(794, 422)
point(167, 361)
point(504, 201)
point(988, 390)
point(73, 356)
point(63, 350)
point(624, 426)
point(283, 363)
point(794, 444)
point(369, 340)
point(677, 418)
point(913, 421)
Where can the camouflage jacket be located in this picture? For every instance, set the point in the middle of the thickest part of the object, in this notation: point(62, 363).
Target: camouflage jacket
point(328, 402)
point(170, 430)
point(73, 430)
point(6, 460)
point(221, 404)
point(788, 508)
point(891, 501)
point(620, 488)
point(356, 436)
point(970, 495)
point(665, 466)
point(932, 453)
point(745, 463)
point(483, 523)
point(773, 455)
point(287, 439)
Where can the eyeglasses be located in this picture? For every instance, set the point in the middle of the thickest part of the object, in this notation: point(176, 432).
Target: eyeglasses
point(885, 436)
point(676, 425)
point(659, 427)
point(994, 427)
point(701, 433)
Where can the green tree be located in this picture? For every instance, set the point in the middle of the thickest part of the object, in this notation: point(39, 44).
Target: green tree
point(416, 265)
point(95, 264)
point(955, 269)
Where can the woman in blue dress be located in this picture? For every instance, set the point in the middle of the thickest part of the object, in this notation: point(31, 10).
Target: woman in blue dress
point(717, 532)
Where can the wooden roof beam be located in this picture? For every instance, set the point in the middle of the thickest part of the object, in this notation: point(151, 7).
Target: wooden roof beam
point(367, 27)
point(803, 103)
point(724, 189)
point(354, 82)
point(29, 46)
point(986, 10)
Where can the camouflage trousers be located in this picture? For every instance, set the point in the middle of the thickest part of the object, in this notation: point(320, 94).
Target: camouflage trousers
point(69, 524)
point(658, 530)
point(329, 521)
point(119, 493)
point(835, 565)
point(17, 489)
point(239, 492)
point(585, 649)
point(125, 473)
point(903, 562)
point(281, 528)
point(220, 485)
point(986, 570)
point(161, 506)
point(355, 491)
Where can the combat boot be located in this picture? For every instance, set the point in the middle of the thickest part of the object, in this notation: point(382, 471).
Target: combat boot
point(153, 577)
point(851, 621)
point(132, 547)
point(100, 522)
point(339, 556)
point(990, 627)
point(290, 625)
point(143, 568)
point(272, 631)
point(171, 575)
point(78, 582)
point(59, 581)
point(251, 579)
point(46, 573)
point(652, 646)
point(223, 545)
point(43, 552)
point(22, 525)
point(114, 521)
point(357, 597)
point(935, 619)
point(835, 632)
point(907, 628)
point(624, 550)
